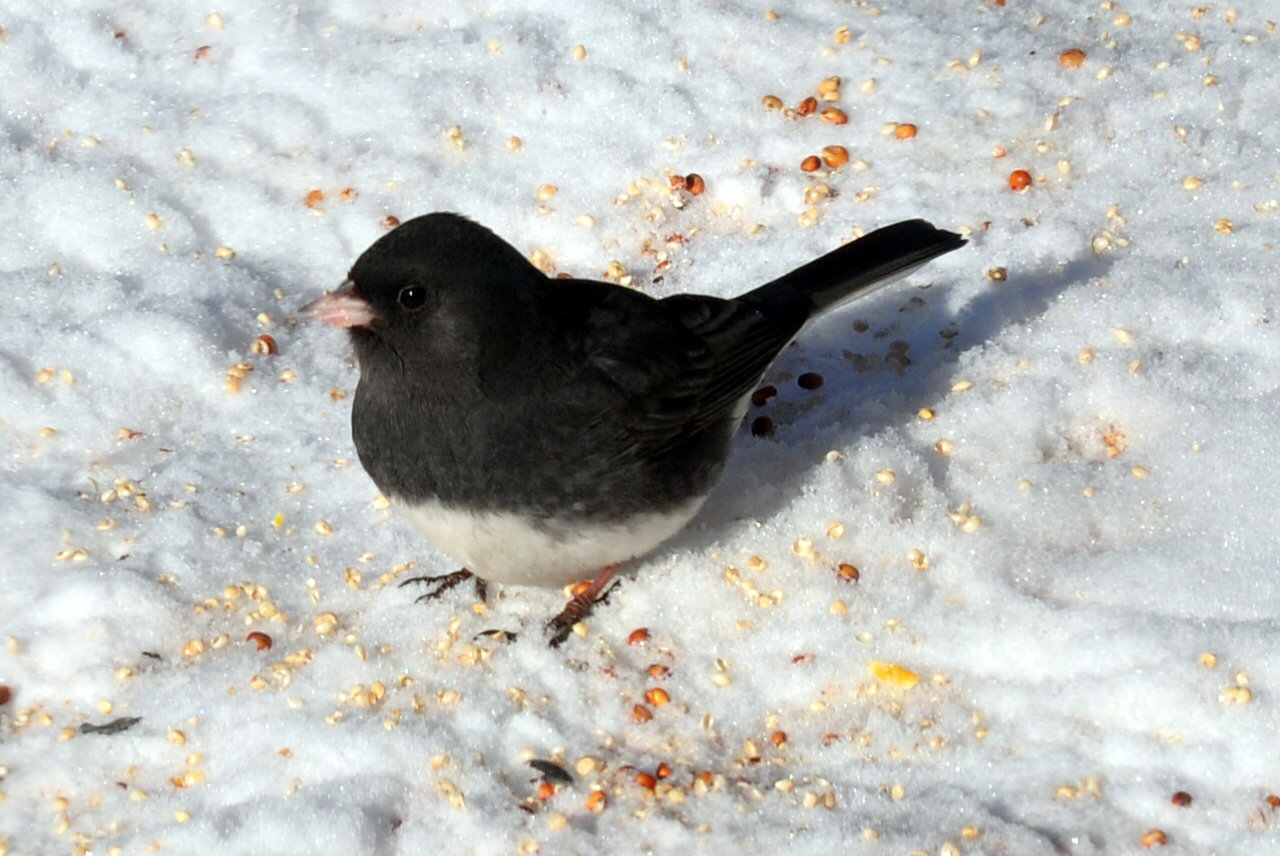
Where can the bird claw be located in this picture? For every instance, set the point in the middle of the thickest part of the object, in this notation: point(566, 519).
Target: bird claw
point(577, 609)
point(441, 583)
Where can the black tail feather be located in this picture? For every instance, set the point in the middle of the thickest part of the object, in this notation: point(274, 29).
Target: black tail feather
point(861, 266)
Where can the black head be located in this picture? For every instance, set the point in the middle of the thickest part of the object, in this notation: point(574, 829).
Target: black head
point(430, 287)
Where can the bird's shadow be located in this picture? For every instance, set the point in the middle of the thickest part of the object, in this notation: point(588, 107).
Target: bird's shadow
point(881, 360)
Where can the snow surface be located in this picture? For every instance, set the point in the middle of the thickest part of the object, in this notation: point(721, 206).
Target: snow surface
point(1076, 556)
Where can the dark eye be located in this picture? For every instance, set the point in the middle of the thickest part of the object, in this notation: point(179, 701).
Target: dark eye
point(412, 296)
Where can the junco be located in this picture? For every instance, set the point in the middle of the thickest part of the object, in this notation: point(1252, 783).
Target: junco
point(543, 430)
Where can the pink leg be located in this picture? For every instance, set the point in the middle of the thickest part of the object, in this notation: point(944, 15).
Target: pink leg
point(581, 604)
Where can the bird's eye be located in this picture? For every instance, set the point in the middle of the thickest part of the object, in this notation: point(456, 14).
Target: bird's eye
point(412, 297)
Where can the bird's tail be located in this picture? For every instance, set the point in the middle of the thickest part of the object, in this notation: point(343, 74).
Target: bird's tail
point(859, 267)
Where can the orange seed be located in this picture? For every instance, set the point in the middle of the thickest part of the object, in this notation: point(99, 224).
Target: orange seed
point(1071, 58)
point(657, 696)
point(835, 156)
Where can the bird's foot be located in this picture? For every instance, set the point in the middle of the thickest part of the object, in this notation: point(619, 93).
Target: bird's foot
point(441, 583)
point(580, 606)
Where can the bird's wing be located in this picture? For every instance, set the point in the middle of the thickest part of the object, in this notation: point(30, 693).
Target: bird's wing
point(678, 365)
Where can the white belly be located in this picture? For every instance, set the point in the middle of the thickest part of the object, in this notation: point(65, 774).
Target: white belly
point(505, 548)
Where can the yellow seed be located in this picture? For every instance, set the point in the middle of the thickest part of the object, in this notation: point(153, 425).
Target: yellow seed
point(1191, 182)
point(886, 476)
point(1154, 838)
point(325, 623)
point(961, 385)
point(893, 674)
point(944, 447)
point(835, 530)
point(546, 191)
point(1223, 226)
point(579, 52)
point(1237, 695)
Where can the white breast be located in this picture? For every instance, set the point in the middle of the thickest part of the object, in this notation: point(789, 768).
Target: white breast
point(507, 548)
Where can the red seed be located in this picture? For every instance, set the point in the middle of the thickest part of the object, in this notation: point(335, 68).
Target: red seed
point(638, 636)
point(676, 182)
point(761, 426)
point(663, 771)
point(390, 221)
point(262, 640)
point(1182, 798)
point(264, 344)
point(5, 694)
point(762, 395)
point(694, 184)
point(848, 572)
point(546, 791)
point(807, 106)
point(810, 164)
point(778, 738)
point(809, 380)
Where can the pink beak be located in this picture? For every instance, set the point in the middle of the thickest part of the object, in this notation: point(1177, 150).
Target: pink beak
point(341, 308)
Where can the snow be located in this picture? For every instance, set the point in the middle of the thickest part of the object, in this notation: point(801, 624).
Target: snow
point(1056, 485)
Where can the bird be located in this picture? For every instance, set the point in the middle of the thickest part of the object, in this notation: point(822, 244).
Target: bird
point(545, 430)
